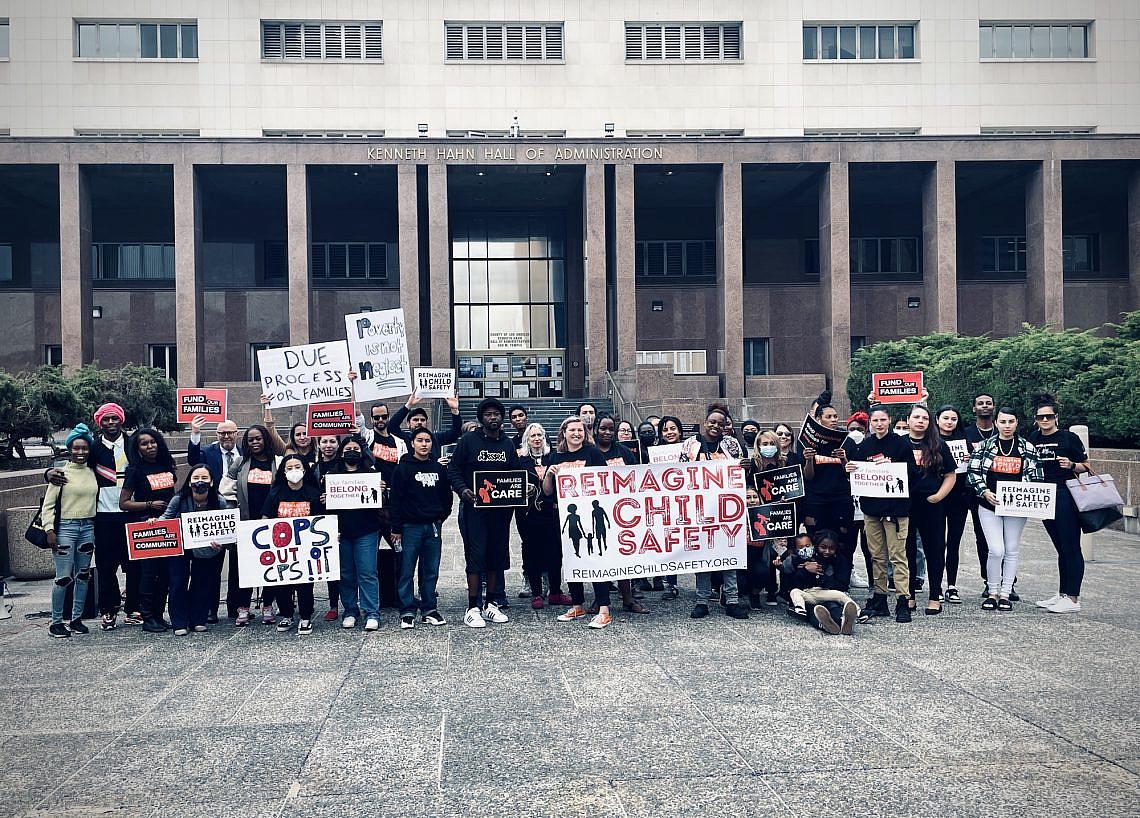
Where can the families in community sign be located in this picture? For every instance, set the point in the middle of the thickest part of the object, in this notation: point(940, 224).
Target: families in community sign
point(154, 538)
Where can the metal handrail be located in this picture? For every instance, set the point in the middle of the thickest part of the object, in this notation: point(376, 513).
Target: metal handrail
point(614, 389)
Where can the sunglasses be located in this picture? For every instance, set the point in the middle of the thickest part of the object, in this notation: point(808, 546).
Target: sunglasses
point(379, 417)
point(1045, 416)
point(782, 434)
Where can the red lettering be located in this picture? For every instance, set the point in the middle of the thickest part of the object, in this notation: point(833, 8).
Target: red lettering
point(627, 543)
point(730, 507)
point(657, 507)
point(619, 512)
point(567, 485)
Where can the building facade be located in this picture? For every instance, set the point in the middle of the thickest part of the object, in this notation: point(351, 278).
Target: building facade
point(670, 201)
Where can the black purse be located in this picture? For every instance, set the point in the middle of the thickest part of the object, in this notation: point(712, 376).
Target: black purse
point(36, 533)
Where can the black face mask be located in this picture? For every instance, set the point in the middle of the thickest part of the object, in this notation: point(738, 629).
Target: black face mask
point(352, 457)
point(750, 436)
point(647, 437)
point(200, 488)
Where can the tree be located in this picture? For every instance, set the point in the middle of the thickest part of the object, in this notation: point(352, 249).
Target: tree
point(145, 393)
point(34, 405)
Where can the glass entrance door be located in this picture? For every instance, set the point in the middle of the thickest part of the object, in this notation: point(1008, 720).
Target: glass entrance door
point(518, 377)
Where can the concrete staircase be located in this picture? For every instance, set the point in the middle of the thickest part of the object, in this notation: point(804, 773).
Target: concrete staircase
point(550, 412)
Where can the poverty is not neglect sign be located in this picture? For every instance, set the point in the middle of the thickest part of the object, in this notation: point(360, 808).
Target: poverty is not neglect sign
point(896, 387)
point(310, 373)
point(293, 551)
point(1036, 501)
point(378, 346)
point(205, 403)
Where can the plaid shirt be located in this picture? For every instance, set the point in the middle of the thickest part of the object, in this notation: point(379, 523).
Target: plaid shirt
point(982, 459)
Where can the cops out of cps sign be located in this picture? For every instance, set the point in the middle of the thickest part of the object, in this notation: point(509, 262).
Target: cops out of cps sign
point(1036, 501)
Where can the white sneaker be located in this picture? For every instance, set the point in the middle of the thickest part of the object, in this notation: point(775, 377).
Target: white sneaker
point(474, 619)
point(348, 622)
point(5, 610)
point(857, 580)
point(491, 611)
point(373, 624)
point(1050, 602)
point(1065, 605)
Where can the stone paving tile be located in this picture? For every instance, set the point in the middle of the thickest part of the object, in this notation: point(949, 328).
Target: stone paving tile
point(74, 707)
point(712, 795)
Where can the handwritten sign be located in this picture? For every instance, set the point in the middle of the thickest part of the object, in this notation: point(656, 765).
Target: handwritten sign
point(1037, 501)
point(296, 551)
point(207, 403)
point(896, 387)
point(161, 538)
point(434, 383)
point(886, 480)
point(379, 350)
point(312, 373)
point(200, 529)
point(338, 418)
point(358, 490)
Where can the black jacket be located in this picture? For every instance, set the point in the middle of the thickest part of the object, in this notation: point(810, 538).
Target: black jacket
point(477, 452)
point(420, 493)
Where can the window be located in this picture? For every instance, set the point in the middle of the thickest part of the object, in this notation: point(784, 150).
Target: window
point(505, 134)
point(148, 133)
point(857, 343)
point(756, 356)
point(254, 368)
point(6, 262)
point(301, 40)
point(885, 258)
point(682, 42)
point(164, 357)
point(1001, 254)
point(323, 134)
point(1022, 131)
point(859, 41)
point(716, 132)
point(136, 41)
point(53, 355)
point(134, 262)
point(683, 361)
point(353, 260)
point(1033, 41)
point(503, 42)
point(5, 48)
point(673, 259)
point(1081, 253)
point(861, 131)
point(276, 267)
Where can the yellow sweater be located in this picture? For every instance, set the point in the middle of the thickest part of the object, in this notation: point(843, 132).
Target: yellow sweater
point(79, 496)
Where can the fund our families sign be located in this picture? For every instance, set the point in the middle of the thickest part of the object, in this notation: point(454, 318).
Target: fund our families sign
point(887, 480)
point(434, 383)
point(346, 491)
point(625, 522)
point(205, 403)
point(1037, 501)
point(379, 350)
point(896, 387)
point(293, 551)
point(311, 373)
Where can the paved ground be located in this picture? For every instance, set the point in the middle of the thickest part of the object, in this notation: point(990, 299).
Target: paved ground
point(970, 713)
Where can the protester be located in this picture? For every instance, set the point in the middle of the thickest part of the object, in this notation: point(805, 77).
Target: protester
point(1006, 456)
point(646, 437)
point(670, 430)
point(518, 415)
point(68, 516)
point(301, 444)
point(295, 493)
point(761, 573)
point(626, 433)
point(749, 431)
point(327, 448)
point(978, 432)
point(537, 522)
point(957, 503)
point(588, 413)
point(786, 437)
point(1063, 457)
point(359, 586)
point(386, 449)
point(192, 574)
point(931, 477)
point(616, 454)
point(817, 582)
point(417, 417)
point(827, 501)
point(218, 457)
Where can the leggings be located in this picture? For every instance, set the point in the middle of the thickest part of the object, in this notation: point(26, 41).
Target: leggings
point(928, 520)
point(1065, 532)
point(956, 510)
point(1003, 534)
point(601, 593)
point(980, 537)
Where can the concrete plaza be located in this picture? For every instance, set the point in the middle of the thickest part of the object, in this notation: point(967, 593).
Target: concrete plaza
point(970, 713)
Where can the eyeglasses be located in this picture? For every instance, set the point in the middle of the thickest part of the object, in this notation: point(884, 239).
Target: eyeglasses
point(783, 434)
point(226, 434)
point(1045, 416)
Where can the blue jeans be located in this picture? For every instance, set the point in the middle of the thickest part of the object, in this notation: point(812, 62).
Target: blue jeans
point(76, 538)
point(359, 584)
point(422, 544)
point(191, 588)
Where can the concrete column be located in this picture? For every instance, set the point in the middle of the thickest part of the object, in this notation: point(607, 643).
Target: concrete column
point(597, 324)
point(300, 285)
point(835, 280)
point(187, 285)
point(730, 278)
point(407, 207)
point(439, 267)
point(1044, 259)
point(76, 329)
point(1134, 236)
point(624, 260)
point(939, 248)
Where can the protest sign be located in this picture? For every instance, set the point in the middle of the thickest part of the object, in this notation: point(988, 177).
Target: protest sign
point(147, 540)
point(312, 373)
point(780, 485)
point(294, 551)
point(886, 480)
point(337, 418)
point(357, 490)
point(961, 451)
point(814, 435)
point(1037, 501)
point(434, 383)
point(210, 404)
point(666, 453)
point(772, 521)
point(623, 522)
point(379, 351)
point(500, 489)
point(896, 387)
point(200, 529)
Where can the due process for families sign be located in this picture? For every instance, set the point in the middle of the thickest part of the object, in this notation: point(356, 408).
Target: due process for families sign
point(147, 540)
point(780, 485)
point(624, 522)
point(206, 403)
point(500, 489)
point(379, 349)
point(896, 387)
point(312, 373)
point(1037, 501)
point(293, 551)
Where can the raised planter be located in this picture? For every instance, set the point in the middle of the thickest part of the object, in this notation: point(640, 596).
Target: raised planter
point(25, 561)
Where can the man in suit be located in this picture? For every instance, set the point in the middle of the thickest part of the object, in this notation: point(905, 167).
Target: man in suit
point(217, 457)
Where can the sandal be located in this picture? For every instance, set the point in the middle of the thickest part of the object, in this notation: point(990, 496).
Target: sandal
point(1004, 604)
point(634, 607)
point(990, 603)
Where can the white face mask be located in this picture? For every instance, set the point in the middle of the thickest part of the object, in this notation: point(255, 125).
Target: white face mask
point(768, 451)
point(856, 436)
point(806, 553)
point(294, 475)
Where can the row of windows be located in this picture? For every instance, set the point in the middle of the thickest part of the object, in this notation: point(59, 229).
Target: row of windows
point(683, 361)
point(859, 42)
point(1025, 41)
point(134, 41)
point(675, 258)
point(504, 41)
point(682, 41)
point(292, 40)
point(361, 260)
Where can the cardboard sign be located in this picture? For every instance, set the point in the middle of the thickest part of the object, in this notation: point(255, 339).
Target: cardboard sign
point(666, 453)
point(434, 383)
point(162, 538)
point(1037, 501)
point(337, 418)
point(379, 351)
point(772, 521)
point(312, 373)
point(297, 551)
point(500, 489)
point(961, 451)
point(886, 480)
point(780, 485)
point(210, 404)
point(360, 490)
point(814, 435)
point(896, 387)
point(201, 529)
point(625, 522)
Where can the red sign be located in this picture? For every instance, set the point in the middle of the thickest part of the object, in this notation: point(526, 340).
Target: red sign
point(161, 538)
point(896, 387)
point(337, 418)
point(207, 403)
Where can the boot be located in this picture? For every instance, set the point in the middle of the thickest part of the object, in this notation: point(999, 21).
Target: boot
point(876, 606)
point(902, 609)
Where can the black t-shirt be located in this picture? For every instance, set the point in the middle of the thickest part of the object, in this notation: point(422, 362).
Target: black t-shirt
point(257, 484)
point(1007, 467)
point(961, 490)
point(890, 448)
point(1061, 443)
point(284, 501)
point(586, 456)
point(830, 481)
point(925, 481)
point(975, 436)
point(619, 455)
point(150, 481)
point(386, 454)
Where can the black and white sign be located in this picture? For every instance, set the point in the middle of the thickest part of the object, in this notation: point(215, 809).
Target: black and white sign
point(780, 485)
point(772, 521)
point(201, 529)
point(500, 489)
point(1037, 501)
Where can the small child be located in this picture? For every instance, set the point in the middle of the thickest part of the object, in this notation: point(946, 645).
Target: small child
point(816, 578)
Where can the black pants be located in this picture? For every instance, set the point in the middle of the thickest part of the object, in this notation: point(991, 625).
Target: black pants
point(213, 579)
point(601, 593)
point(541, 550)
point(334, 595)
point(927, 520)
point(110, 556)
point(1065, 532)
point(980, 538)
point(154, 582)
point(758, 576)
point(836, 515)
point(957, 507)
point(236, 596)
point(284, 597)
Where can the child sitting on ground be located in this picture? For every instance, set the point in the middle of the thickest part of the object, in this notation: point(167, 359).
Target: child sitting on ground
point(816, 577)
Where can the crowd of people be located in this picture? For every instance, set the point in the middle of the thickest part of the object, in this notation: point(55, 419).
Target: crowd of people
point(908, 544)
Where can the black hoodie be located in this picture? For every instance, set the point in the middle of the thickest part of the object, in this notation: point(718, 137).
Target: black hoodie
point(420, 493)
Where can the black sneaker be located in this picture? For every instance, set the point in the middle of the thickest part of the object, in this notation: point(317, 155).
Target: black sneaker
point(642, 585)
point(434, 618)
point(952, 596)
point(658, 584)
point(58, 630)
point(700, 611)
point(77, 626)
point(918, 583)
point(771, 600)
point(736, 611)
point(875, 606)
point(155, 626)
point(525, 592)
point(825, 620)
point(407, 621)
point(754, 602)
point(902, 609)
point(1014, 596)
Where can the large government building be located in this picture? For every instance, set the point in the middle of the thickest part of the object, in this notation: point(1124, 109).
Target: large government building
point(664, 202)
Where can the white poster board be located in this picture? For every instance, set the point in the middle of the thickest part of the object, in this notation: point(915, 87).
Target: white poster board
point(1036, 501)
point(288, 551)
point(378, 347)
point(666, 453)
point(886, 480)
point(433, 383)
point(300, 375)
point(200, 529)
point(347, 491)
point(961, 451)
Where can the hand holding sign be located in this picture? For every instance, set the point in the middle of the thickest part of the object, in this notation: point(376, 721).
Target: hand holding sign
point(208, 404)
point(433, 383)
point(897, 387)
point(299, 375)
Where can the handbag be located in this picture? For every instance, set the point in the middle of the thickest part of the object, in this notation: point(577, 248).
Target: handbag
point(1094, 491)
point(1098, 518)
point(36, 533)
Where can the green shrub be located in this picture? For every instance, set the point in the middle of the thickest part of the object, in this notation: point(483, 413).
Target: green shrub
point(145, 393)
